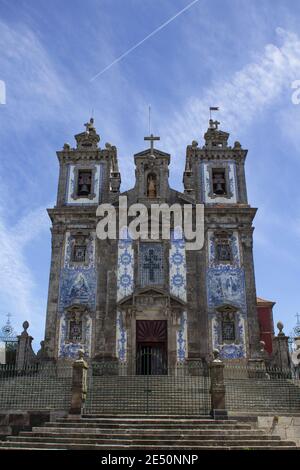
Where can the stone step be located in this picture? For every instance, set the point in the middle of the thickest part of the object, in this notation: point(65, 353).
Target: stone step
point(144, 426)
point(144, 432)
point(204, 445)
point(151, 434)
point(122, 416)
point(138, 440)
point(128, 432)
point(146, 420)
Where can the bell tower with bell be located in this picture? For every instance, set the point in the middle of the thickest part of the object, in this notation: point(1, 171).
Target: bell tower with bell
point(215, 176)
point(88, 176)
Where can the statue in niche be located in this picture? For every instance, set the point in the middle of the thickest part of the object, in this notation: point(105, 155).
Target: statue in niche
point(151, 186)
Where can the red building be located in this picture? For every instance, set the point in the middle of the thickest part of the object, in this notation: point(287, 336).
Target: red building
point(266, 324)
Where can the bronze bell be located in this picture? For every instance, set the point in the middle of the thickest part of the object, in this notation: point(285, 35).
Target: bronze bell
point(219, 188)
point(219, 184)
point(84, 189)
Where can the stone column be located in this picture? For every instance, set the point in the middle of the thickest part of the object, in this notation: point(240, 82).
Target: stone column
point(281, 355)
point(51, 337)
point(253, 323)
point(217, 387)
point(25, 354)
point(79, 384)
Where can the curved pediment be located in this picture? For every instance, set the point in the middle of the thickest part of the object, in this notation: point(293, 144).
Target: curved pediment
point(226, 307)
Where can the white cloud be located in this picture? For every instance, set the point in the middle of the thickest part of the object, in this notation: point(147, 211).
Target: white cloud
point(250, 91)
point(17, 285)
point(28, 73)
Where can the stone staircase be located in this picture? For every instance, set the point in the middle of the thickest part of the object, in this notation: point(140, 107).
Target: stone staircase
point(133, 432)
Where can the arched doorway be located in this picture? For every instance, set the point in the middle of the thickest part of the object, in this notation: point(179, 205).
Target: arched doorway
point(151, 347)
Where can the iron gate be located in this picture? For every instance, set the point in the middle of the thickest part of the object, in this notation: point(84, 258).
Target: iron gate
point(119, 388)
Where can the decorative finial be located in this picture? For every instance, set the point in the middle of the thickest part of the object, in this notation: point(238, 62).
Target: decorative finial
point(280, 328)
point(262, 346)
point(90, 125)
point(25, 325)
point(216, 355)
point(213, 124)
point(80, 354)
point(194, 144)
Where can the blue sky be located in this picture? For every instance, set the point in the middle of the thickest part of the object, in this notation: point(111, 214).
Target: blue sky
point(239, 55)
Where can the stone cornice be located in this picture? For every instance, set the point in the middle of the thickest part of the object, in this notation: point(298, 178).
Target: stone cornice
point(73, 213)
point(241, 214)
point(204, 154)
point(75, 155)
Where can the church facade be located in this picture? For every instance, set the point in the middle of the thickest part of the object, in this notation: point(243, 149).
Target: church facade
point(121, 299)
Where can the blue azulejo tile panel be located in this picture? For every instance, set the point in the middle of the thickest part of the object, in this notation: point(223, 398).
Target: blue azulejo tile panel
point(226, 284)
point(69, 349)
point(177, 265)
point(234, 350)
point(125, 274)
point(90, 252)
point(121, 338)
point(77, 287)
point(234, 245)
point(182, 338)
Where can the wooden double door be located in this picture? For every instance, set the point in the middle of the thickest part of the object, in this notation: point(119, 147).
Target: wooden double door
point(151, 347)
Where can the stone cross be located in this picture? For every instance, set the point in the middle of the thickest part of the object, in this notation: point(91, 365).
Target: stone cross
point(152, 139)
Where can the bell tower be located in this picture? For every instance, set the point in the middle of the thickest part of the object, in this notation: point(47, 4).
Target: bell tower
point(88, 176)
point(215, 176)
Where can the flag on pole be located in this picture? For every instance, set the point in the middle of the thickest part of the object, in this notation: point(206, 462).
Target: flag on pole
point(214, 108)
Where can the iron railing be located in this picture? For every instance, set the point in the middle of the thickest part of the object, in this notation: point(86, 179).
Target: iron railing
point(41, 386)
point(254, 389)
point(127, 388)
point(183, 389)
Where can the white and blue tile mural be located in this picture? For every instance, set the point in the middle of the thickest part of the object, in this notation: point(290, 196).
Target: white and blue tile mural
point(121, 338)
point(234, 245)
point(96, 190)
point(69, 349)
point(182, 338)
point(177, 265)
point(125, 274)
point(236, 350)
point(226, 286)
point(77, 288)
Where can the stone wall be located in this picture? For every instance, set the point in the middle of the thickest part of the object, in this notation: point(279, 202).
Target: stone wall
point(287, 427)
point(14, 421)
